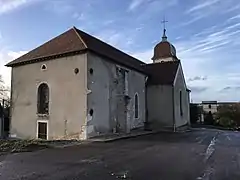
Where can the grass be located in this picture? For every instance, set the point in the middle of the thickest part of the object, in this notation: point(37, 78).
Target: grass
point(13, 146)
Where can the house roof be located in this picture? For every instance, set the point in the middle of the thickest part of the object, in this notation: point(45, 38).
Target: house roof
point(162, 73)
point(209, 102)
point(76, 41)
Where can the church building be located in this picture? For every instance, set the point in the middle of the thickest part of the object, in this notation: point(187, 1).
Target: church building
point(77, 86)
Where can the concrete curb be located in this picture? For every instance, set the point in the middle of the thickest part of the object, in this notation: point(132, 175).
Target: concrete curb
point(128, 136)
point(110, 139)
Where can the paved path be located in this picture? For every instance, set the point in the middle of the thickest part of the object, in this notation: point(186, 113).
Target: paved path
point(197, 155)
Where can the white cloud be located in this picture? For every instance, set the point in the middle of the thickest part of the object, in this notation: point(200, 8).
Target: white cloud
point(5, 57)
point(209, 9)
point(210, 54)
point(9, 5)
point(117, 39)
point(234, 17)
point(79, 16)
point(60, 7)
point(135, 4)
point(202, 4)
point(144, 55)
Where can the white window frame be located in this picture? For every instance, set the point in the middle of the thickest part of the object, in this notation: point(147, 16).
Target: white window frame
point(42, 121)
point(136, 94)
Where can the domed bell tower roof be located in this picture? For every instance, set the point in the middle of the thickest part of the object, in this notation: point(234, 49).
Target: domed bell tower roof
point(164, 49)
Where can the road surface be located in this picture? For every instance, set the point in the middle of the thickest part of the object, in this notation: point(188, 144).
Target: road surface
point(198, 155)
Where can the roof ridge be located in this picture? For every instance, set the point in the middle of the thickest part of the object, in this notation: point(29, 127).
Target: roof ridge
point(76, 31)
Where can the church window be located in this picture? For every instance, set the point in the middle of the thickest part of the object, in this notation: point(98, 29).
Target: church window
point(91, 70)
point(43, 99)
point(44, 67)
point(181, 109)
point(91, 112)
point(209, 106)
point(76, 70)
point(136, 106)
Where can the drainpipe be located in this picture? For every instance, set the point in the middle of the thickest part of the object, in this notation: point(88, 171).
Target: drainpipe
point(173, 105)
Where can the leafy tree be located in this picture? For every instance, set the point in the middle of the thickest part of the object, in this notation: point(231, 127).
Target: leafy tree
point(228, 115)
point(195, 112)
point(208, 118)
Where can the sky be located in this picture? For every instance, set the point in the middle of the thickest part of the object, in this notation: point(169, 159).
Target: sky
point(206, 34)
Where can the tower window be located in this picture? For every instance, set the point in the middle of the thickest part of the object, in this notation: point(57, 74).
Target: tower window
point(91, 70)
point(43, 99)
point(209, 106)
point(181, 109)
point(136, 106)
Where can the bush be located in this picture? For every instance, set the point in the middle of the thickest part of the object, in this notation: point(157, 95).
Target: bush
point(226, 122)
point(228, 115)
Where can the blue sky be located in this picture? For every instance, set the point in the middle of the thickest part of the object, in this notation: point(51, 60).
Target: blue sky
point(206, 34)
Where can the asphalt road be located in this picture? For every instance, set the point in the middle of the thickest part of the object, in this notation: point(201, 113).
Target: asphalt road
point(196, 155)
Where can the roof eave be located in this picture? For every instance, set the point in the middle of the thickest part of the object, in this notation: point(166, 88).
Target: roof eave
point(30, 61)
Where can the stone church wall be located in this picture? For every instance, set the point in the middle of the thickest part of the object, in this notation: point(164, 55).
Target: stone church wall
point(160, 106)
point(113, 88)
point(67, 98)
point(180, 85)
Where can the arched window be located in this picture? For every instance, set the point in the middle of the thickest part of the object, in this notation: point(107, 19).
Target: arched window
point(136, 106)
point(43, 99)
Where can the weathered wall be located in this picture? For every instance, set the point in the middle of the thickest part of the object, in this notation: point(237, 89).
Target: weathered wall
point(160, 106)
point(108, 88)
point(180, 85)
point(68, 93)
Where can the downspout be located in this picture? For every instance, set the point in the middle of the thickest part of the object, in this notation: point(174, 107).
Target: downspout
point(173, 105)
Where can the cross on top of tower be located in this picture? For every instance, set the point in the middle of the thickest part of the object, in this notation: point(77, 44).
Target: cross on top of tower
point(164, 21)
point(164, 37)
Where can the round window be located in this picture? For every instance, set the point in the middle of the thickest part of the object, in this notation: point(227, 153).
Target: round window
point(76, 70)
point(43, 67)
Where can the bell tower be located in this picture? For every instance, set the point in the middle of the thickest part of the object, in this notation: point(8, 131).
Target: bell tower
point(164, 50)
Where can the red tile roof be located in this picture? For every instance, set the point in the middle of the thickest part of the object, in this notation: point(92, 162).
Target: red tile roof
point(162, 73)
point(76, 41)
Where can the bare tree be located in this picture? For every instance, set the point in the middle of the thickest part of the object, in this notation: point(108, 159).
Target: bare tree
point(4, 90)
